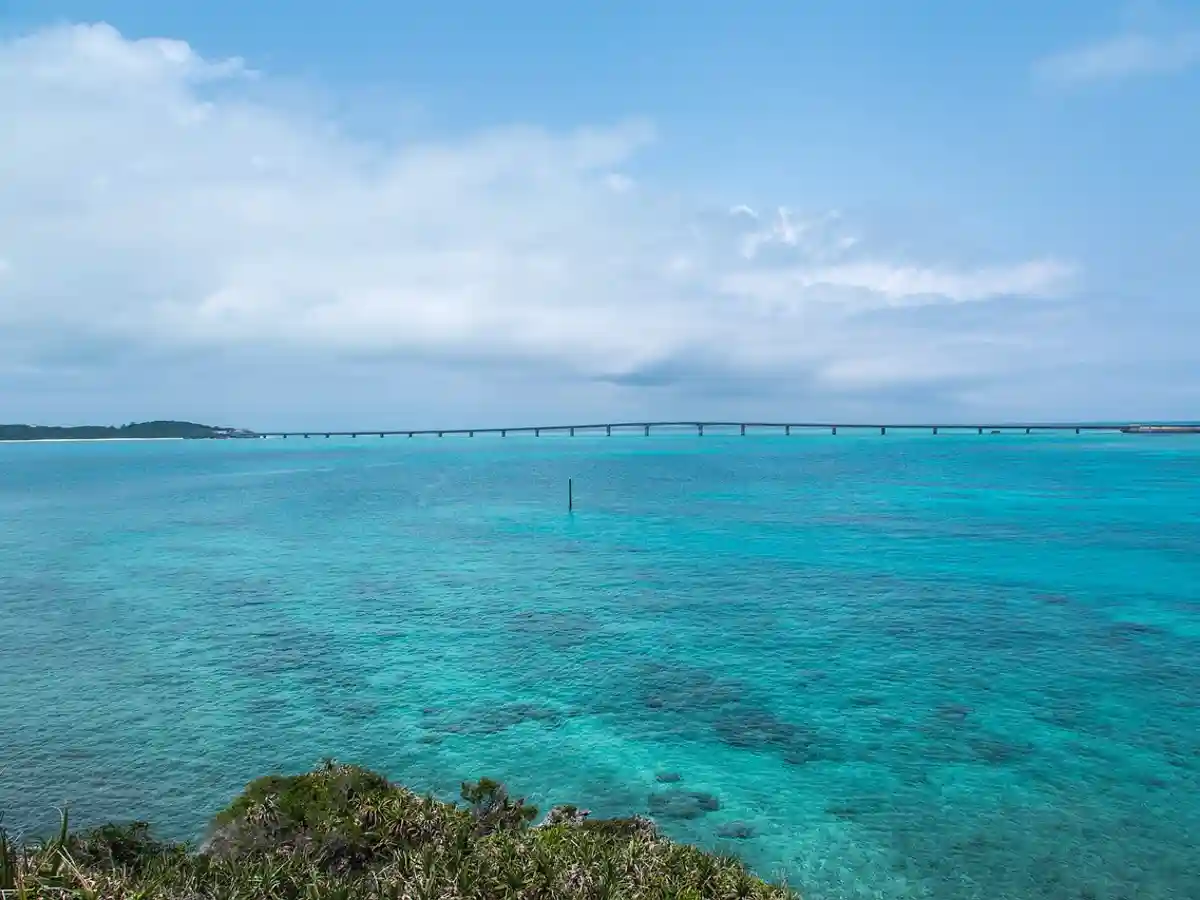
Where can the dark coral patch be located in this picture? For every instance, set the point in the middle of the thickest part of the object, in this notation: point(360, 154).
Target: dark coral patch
point(738, 831)
point(682, 804)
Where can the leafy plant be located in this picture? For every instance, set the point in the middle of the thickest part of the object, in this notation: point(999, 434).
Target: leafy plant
point(493, 809)
point(345, 833)
point(8, 863)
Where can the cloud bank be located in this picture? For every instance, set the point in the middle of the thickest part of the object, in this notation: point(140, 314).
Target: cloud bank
point(1121, 57)
point(159, 206)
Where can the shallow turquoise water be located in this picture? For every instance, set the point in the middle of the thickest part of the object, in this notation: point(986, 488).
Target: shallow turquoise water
point(948, 667)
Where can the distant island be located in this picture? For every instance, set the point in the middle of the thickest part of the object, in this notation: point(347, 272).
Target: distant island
point(134, 430)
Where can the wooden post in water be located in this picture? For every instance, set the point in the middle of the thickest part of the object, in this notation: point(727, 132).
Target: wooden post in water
point(570, 495)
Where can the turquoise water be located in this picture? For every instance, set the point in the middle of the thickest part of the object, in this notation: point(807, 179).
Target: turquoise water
point(949, 667)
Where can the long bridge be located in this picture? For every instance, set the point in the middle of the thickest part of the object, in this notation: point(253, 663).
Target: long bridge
point(700, 428)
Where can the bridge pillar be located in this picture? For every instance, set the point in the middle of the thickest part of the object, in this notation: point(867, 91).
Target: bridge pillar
point(647, 431)
point(787, 429)
point(470, 434)
point(503, 432)
point(537, 432)
point(834, 429)
point(981, 431)
point(935, 429)
point(743, 431)
point(699, 430)
point(883, 429)
point(327, 435)
point(410, 434)
point(353, 435)
point(572, 431)
point(1028, 430)
point(439, 434)
point(1077, 431)
point(381, 434)
point(608, 430)
point(306, 435)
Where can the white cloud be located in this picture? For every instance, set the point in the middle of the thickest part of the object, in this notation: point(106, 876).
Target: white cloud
point(906, 285)
point(620, 183)
point(151, 201)
point(818, 238)
point(1123, 56)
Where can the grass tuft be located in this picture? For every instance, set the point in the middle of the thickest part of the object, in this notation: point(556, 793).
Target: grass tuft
point(344, 833)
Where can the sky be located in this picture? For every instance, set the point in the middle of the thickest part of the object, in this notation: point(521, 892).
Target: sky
point(471, 214)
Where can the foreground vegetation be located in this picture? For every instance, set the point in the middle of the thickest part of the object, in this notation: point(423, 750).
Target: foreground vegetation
point(343, 833)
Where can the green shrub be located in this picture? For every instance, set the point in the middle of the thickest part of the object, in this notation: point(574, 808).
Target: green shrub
point(344, 833)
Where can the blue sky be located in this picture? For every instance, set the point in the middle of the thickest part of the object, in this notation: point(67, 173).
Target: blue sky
point(391, 213)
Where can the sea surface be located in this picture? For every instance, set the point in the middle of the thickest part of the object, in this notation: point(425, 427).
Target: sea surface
point(906, 666)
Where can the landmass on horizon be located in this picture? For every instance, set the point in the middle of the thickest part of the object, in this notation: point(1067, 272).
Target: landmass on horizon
point(132, 431)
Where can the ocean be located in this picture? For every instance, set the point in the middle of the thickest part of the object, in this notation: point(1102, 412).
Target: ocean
point(907, 666)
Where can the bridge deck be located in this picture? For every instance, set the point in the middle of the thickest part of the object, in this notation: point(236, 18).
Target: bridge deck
point(742, 427)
